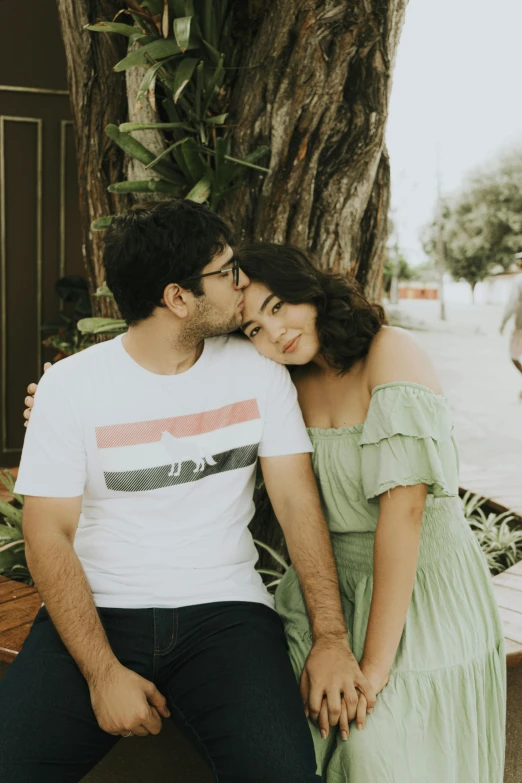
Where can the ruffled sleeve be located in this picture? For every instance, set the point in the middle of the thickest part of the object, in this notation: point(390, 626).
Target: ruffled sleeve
point(407, 439)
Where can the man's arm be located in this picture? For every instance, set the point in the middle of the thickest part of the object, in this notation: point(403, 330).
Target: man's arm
point(122, 700)
point(331, 668)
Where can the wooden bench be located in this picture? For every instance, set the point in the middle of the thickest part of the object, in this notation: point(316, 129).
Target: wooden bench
point(19, 604)
point(508, 592)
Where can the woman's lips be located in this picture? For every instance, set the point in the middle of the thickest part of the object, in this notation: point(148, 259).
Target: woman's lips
point(292, 345)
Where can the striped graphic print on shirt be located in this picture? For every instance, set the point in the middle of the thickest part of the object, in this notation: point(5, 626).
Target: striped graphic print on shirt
point(146, 455)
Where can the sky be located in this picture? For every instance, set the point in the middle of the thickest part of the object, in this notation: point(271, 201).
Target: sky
point(456, 102)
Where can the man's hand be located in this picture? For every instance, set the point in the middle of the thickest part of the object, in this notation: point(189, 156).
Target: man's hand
point(123, 701)
point(333, 688)
point(29, 400)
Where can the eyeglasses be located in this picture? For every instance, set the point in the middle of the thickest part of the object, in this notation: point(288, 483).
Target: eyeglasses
point(234, 269)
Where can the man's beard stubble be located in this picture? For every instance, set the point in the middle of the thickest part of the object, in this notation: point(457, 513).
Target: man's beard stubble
point(207, 323)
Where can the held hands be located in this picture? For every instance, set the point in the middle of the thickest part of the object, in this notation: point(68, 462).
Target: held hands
point(124, 702)
point(29, 400)
point(334, 689)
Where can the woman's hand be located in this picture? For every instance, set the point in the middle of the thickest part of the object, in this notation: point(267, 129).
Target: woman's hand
point(331, 684)
point(29, 400)
point(375, 675)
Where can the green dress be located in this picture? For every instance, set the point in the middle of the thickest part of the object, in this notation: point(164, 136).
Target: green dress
point(441, 717)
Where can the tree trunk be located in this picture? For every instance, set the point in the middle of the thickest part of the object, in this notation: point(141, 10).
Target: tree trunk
point(314, 86)
point(97, 97)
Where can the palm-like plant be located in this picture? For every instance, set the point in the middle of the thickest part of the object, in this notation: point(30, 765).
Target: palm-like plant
point(279, 559)
point(499, 540)
point(182, 43)
point(12, 545)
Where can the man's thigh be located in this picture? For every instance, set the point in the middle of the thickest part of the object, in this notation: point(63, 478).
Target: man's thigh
point(48, 730)
point(231, 686)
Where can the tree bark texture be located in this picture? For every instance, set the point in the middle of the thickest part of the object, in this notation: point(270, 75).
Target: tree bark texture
point(153, 140)
point(313, 85)
point(97, 97)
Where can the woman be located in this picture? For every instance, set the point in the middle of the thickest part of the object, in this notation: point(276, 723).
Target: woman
point(416, 592)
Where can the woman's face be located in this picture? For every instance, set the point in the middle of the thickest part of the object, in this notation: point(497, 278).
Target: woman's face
point(280, 331)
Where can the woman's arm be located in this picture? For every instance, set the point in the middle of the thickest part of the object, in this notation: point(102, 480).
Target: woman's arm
point(395, 563)
point(394, 356)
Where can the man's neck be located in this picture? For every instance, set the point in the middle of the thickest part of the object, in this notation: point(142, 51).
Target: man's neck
point(159, 352)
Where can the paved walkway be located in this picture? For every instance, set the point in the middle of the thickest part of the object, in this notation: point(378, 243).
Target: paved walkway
point(483, 388)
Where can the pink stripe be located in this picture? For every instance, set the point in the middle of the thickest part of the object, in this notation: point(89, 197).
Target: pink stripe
point(116, 435)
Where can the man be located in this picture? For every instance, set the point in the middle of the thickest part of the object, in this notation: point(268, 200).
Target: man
point(138, 472)
point(514, 308)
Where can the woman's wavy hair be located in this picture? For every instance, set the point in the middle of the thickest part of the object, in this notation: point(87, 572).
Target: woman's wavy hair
point(346, 321)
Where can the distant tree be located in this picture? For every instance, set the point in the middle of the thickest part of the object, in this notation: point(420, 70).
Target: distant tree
point(404, 272)
point(483, 222)
point(467, 251)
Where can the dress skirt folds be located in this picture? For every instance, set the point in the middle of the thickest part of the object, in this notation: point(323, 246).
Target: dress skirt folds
point(441, 717)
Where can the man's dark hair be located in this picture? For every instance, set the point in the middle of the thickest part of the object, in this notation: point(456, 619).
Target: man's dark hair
point(150, 246)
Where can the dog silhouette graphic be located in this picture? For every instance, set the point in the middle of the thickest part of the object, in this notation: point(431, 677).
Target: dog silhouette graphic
point(181, 450)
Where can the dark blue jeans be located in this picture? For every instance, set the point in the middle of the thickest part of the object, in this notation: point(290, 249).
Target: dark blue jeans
point(223, 668)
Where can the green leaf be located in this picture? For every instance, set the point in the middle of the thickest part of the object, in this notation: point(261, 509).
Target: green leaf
point(142, 39)
point(166, 152)
point(111, 27)
point(12, 544)
point(249, 159)
point(104, 290)
point(269, 572)
point(201, 191)
point(133, 147)
point(199, 89)
point(102, 223)
point(182, 76)
point(8, 480)
point(149, 77)
point(219, 120)
point(213, 54)
point(101, 325)
point(8, 534)
point(160, 186)
point(215, 83)
point(277, 557)
point(177, 7)
point(190, 151)
point(220, 160)
point(209, 22)
point(158, 50)
point(182, 32)
point(128, 127)
point(130, 186)
point(154, 6)
point(12, 514)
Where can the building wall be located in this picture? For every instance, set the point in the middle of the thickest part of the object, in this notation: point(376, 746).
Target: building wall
point(39, 216)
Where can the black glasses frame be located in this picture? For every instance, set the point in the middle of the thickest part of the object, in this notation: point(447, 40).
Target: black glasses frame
point(234, 269)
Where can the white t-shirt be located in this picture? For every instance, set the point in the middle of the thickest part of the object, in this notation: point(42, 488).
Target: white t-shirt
point(166, 467)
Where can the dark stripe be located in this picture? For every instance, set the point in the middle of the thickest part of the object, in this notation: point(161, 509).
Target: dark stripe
point(155, 478)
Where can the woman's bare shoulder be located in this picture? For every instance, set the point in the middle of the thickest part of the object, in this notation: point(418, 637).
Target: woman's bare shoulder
point(396, 355)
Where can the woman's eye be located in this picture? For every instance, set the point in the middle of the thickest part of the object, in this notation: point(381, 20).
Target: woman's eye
point(254, 331)
point(277, 307)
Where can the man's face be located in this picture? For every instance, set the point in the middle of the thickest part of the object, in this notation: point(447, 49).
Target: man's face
point(219, 310)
